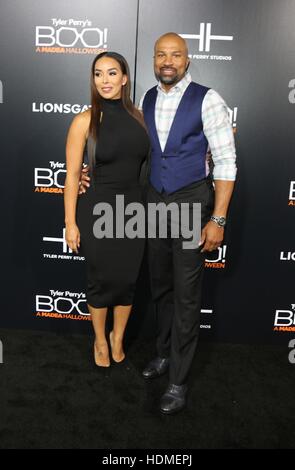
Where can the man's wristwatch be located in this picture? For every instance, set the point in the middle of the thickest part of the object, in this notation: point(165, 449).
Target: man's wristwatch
point(220, 221)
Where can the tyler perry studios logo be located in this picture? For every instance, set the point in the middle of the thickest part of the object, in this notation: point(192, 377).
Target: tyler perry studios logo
point(62, 251)
point(291, 96)
point(50, 179)
point(62, 305)
point(70, 36)
point(292, 194)
point(207, 42)
point(207, 325)
point(216, 259)
point(285, 319)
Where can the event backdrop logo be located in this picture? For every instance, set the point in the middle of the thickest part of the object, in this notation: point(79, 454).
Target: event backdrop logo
point(287, 256)
point(50, 180)
point(206, 326)
point(62, 305)
point(73, 306)
point(61, 108)
point(285, 320)
point(70, 36)
point(291, 96)
point(292, 194)
point(216, 259)
point(233, 117)
point(207, 41)
point(63, 251)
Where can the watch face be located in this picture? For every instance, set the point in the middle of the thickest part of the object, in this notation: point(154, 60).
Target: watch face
point(221, 221)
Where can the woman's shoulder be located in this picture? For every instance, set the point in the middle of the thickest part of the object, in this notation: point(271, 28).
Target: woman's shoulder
point(84, 117)
point(81, 121)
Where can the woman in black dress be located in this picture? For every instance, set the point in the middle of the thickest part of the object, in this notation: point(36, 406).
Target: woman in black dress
point(117, 145)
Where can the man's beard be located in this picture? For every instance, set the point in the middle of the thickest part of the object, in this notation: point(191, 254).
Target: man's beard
point(167, 79)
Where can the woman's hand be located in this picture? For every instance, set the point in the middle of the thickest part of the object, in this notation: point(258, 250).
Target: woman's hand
point(73, 237)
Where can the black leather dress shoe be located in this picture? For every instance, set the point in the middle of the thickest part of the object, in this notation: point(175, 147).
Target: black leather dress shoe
point(174, 399)
point(156, 368)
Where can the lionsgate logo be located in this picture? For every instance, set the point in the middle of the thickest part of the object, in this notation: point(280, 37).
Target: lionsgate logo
point(287, 256)
point(58, 108)
point(152, 220)
point(50, 179)
point(65, 253)
point(1, 92)
point(292, 194)
point(70, 36)
point(291, 96)
point(285, 319)
point(206, 41)
point(61, 304)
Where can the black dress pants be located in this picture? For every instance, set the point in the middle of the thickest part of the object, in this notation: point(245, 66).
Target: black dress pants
point(176, 282)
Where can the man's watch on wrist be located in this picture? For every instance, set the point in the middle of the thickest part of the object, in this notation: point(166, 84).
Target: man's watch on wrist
point(220, 221)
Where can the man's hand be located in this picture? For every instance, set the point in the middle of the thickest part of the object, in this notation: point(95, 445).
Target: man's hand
point(211, 237)
point(84, 182)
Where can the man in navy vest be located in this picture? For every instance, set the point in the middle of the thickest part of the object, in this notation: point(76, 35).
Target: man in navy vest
point(183, 119)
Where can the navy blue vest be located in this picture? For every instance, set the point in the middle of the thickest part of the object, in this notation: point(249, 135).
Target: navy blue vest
point(183, 160)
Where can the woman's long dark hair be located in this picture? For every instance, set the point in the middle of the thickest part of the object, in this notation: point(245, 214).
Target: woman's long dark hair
point(96, 103)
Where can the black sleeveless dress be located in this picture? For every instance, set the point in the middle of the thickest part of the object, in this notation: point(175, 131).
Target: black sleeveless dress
point(113, 263)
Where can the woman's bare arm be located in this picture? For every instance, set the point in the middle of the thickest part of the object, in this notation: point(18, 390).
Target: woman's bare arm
point(76, 140)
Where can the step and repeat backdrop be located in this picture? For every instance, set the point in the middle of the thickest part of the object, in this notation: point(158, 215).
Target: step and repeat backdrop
point(246, 52)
